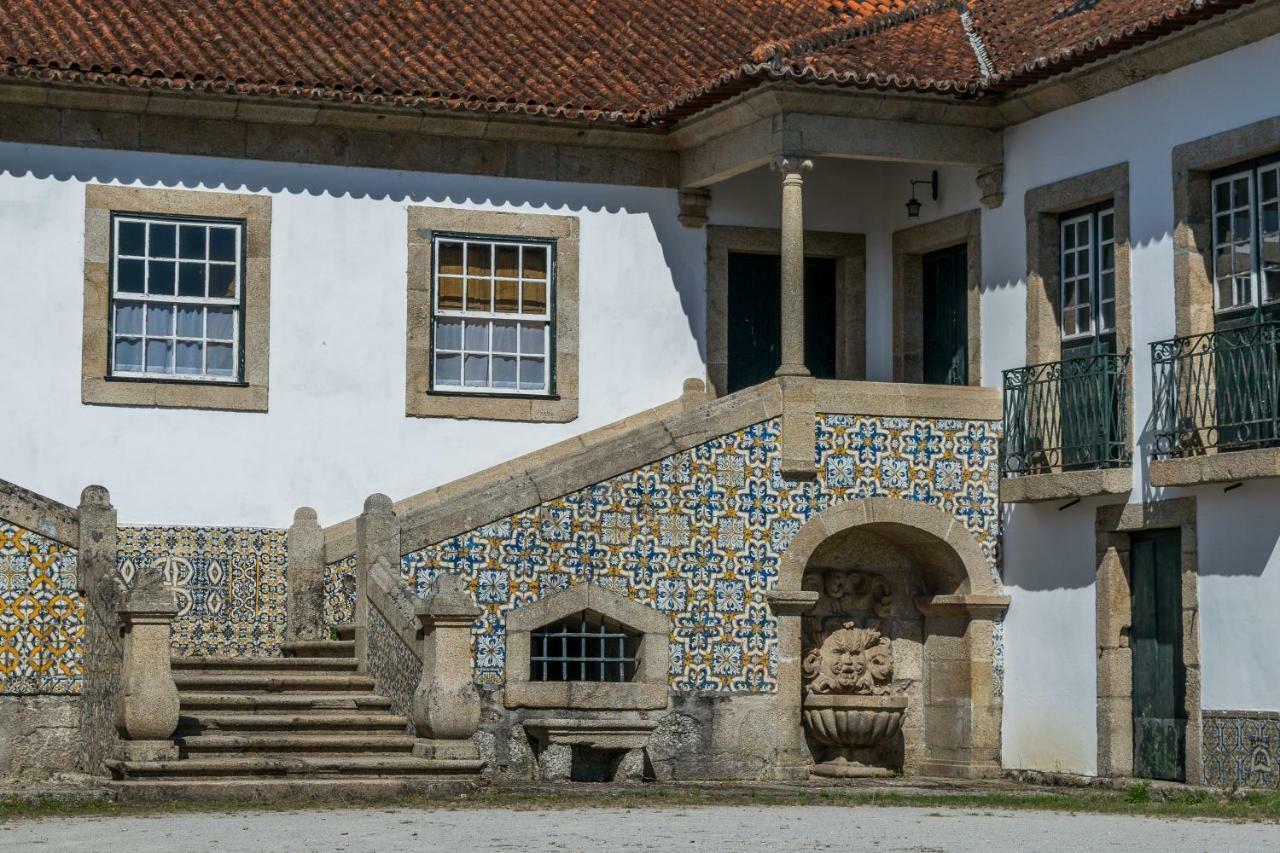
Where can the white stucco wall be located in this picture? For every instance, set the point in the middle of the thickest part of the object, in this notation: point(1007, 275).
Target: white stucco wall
point(336, 429)
point(1050, 681)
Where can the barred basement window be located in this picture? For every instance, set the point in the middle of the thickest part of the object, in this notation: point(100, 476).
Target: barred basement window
point(583, 647)
point(491, 316)
point(176, 298)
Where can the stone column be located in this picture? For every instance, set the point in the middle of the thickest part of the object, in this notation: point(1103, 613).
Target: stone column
point(446, 705)
point(304, 578)
point(147, 713)
point(377, 537)
point(789, 607)
point(791, 168)
point(100, 587)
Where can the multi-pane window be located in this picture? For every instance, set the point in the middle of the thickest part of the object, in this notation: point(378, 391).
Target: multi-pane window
point(491, 322)
point(1088, 273)
point(1246, 238)
point(176, 298)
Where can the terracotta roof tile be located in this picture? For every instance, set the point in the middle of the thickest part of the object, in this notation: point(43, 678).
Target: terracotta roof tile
point(633, 61)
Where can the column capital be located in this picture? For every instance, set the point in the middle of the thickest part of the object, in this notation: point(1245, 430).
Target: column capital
point(791, 164)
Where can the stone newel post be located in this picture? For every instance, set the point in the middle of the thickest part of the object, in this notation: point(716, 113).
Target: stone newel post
point(147, 713)
point(377, 536)
point(791, 168)
point(446, 705)
point(304, 577)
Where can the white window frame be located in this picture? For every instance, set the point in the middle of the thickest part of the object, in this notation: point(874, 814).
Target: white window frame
point(1091, 251)
point(1251, 176)
point(519, 318)
point(146, 299)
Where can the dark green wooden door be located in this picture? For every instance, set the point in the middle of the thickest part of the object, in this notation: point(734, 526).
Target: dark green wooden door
point(1159, 677)
point(755, 318)
point(946, 316)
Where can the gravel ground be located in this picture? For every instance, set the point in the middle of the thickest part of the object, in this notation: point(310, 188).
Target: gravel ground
point(712, 828)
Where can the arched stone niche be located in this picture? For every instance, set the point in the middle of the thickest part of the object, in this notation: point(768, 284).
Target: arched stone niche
point(943, 602)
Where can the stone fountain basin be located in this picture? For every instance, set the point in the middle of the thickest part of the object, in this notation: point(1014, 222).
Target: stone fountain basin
point(853, 721)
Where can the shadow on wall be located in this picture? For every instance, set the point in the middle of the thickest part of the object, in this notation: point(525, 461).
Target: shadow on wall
point(685, 257)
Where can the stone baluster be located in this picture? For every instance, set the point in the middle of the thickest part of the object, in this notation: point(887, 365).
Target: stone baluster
point(147, 713)
point(377, 536)
point(304, 578)
point(446, 704)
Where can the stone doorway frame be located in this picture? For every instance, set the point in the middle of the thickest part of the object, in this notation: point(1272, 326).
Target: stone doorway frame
point(1114, 619)
point(963, 710)
point(849, 252)
point(910, 245)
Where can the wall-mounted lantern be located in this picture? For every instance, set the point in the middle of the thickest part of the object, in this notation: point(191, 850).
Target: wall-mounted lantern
point(913, 206)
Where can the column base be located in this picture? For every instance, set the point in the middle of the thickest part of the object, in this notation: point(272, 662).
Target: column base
point(146, 750)
point(446, 749)
point(792, 370)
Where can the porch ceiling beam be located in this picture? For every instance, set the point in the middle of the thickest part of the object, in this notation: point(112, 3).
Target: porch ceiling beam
point(819, 135)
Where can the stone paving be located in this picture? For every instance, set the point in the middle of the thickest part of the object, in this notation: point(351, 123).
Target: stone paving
point(727, 828)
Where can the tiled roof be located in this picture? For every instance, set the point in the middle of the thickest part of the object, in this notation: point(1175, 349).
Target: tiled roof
point(632, 61)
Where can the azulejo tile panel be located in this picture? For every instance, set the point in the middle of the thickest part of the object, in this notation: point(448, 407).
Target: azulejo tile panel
point(229, 584)
point(340, 592)
point(1241, 749)
point(41, 615)
point(700, 535)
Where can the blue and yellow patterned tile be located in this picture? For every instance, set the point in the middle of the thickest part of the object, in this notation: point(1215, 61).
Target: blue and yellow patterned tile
point(41, 615)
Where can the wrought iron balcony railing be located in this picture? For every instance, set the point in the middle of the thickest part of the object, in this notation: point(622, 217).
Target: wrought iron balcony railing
point(1066, 415)
point(1217, 391)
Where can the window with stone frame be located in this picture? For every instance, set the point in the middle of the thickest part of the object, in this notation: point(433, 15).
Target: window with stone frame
point(492, 315)
point(583, 647)
point(1246, 237)
point(176, 298)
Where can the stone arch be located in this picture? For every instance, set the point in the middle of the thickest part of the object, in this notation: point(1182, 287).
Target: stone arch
point(959, 708)
point(938, 541)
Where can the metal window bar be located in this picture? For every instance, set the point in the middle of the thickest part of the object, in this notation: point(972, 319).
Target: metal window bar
point(583, 647)
point(1070, 414)
point(1219, 391)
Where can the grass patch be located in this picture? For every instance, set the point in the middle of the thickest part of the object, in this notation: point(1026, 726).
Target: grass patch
point(1137, 800)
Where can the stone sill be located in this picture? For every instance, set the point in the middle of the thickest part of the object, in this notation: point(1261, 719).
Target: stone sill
point(1227, 467)
point(1064, 485)
point(586, 695)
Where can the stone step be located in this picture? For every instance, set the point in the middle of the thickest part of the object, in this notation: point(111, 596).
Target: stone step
point(282, 665)
point(194, 701)
point(320, 649)
point(304, 766)
point(314, 721)
point(301, 682)
point(303, 790)
point(284, 745)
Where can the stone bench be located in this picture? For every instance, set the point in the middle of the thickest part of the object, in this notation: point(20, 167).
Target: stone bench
point(622, 740)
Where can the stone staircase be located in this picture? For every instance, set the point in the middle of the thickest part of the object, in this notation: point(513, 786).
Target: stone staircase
point(305, 724)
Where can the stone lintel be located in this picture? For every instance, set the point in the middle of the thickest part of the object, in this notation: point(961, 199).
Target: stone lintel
point(1228, 467)
point(1064, 485)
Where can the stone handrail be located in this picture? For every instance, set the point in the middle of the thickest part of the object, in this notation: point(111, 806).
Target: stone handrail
point(397, 604)
point(608, 451)
point(40, 514)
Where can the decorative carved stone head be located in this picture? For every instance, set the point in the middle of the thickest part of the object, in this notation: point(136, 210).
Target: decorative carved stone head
point(851, 660)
